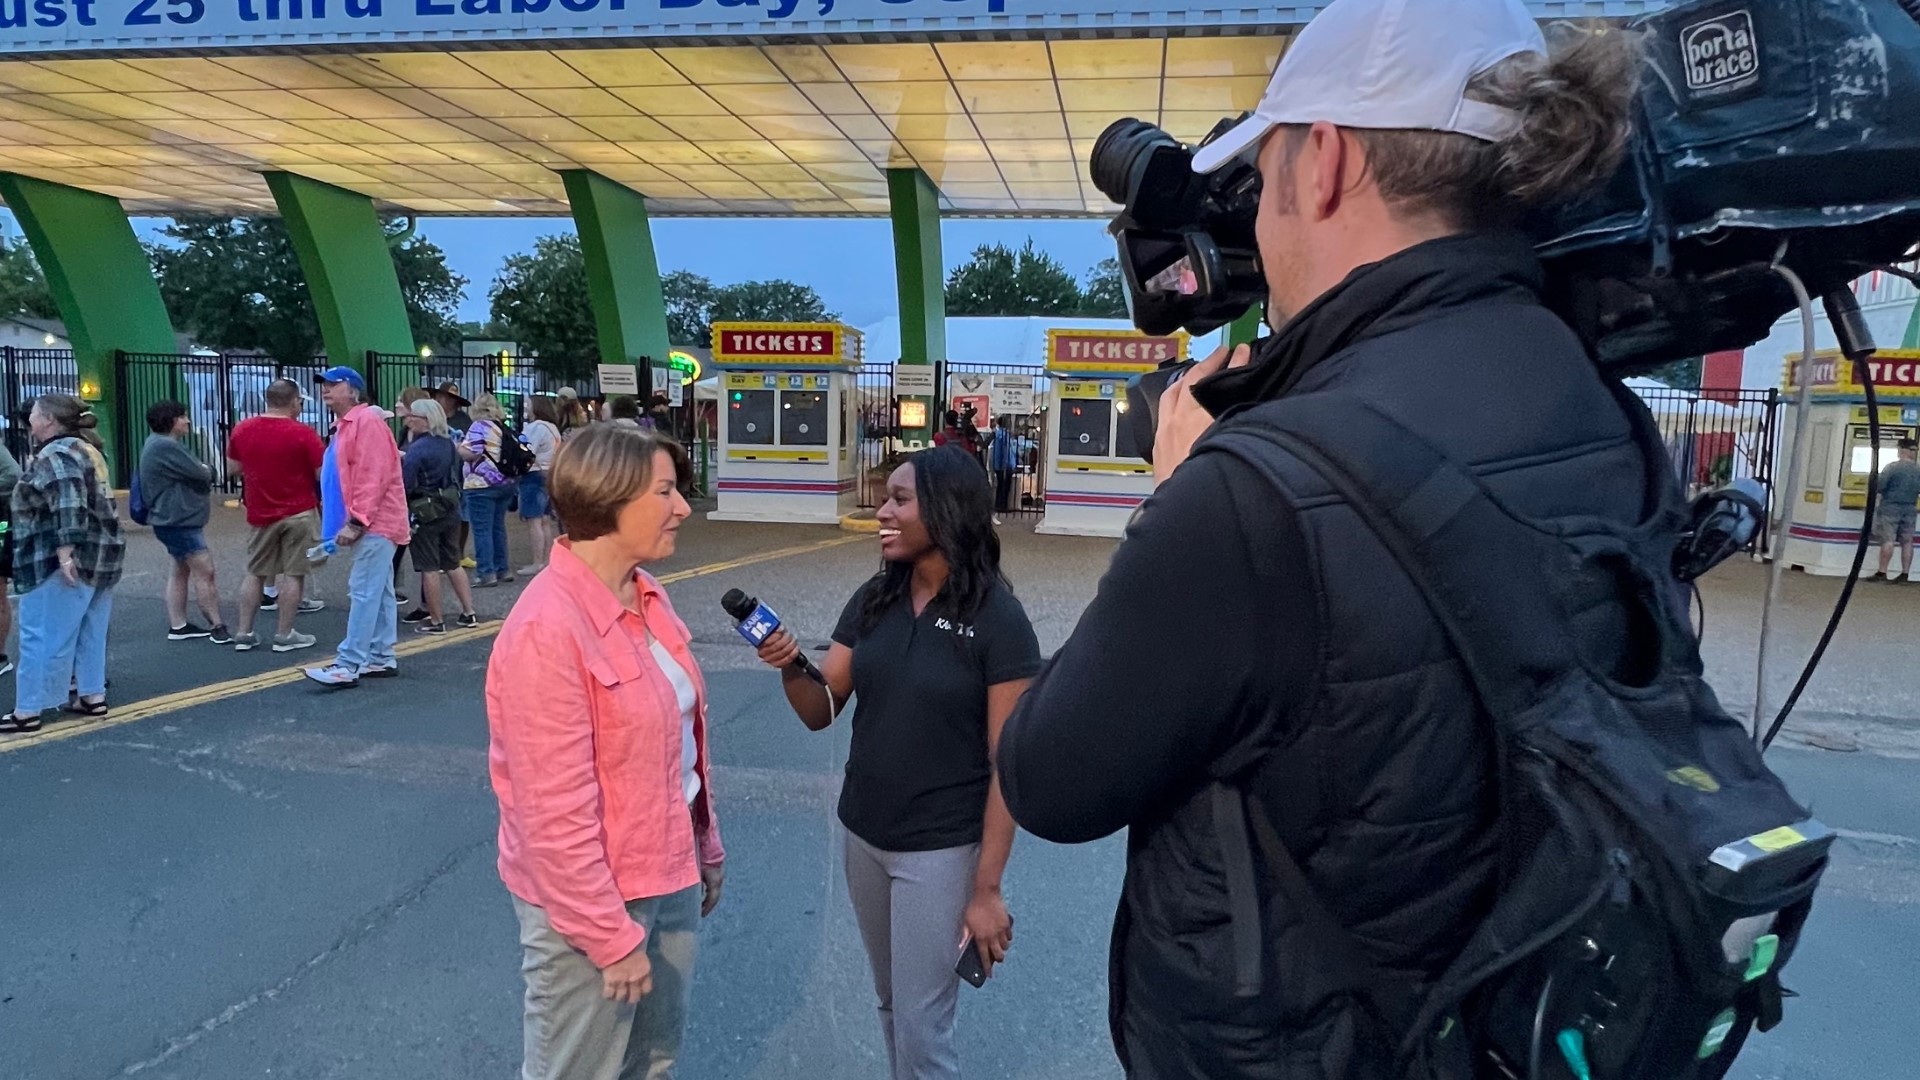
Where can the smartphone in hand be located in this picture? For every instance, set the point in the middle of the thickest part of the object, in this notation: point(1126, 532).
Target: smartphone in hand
point(969, 967)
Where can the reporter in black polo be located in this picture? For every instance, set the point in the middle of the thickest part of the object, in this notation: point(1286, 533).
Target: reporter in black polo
point(937, 650)
point(1260, 632)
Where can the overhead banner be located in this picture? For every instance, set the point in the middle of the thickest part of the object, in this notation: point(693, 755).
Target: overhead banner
point(65, 25)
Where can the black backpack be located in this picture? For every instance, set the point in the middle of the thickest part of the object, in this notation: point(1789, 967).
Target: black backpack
point(1654, 875)
point(515, 459)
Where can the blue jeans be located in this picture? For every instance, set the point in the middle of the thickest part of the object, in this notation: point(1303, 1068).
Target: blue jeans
point(534, 503)
point(372, 624)
point(63, 639)
point(487, 511)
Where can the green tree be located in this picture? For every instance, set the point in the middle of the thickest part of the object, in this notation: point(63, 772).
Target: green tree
point(694, 303)
point(774, 300)
point(1000, 281)
point(541, 298)
point(689, 300)
point(23, 289)
point(1105, 296)
point(433, 293)
point(236, 283)
point(1682, 374)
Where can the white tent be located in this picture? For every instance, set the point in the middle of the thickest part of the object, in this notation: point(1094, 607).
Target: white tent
point(1004, 339)
point(1664, 400)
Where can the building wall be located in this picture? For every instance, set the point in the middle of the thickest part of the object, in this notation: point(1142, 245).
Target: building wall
point(1887, 301)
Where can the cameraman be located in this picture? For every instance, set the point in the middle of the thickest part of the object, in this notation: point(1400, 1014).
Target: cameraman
point(1263, 636)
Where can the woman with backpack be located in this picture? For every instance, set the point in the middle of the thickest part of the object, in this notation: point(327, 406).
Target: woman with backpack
point(431, 470)
point(487, 490)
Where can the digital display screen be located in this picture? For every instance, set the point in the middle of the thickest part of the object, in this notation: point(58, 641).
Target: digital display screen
point(913, 414)
point(1178, 279)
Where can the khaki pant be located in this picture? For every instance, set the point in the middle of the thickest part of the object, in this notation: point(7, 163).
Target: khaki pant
point(574, 1033)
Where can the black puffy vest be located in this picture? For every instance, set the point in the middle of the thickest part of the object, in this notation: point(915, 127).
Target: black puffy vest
point(1381, 781)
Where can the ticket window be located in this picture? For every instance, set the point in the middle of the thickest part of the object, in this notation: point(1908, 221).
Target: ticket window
point(751, 422)
point(1086, 427)
point(803, 418)
point(1123, 441)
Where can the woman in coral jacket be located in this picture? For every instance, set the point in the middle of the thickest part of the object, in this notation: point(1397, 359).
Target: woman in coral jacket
point(597, 712)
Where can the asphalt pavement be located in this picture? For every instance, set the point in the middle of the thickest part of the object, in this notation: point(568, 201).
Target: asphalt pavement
point(290, 882)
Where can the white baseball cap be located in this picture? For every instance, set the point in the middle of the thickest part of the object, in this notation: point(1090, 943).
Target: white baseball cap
point(1389, 64)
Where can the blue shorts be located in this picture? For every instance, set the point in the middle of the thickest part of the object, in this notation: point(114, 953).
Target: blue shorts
point(534, 503)
point(181, 541)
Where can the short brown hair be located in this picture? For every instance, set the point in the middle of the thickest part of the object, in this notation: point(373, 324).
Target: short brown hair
point(602, 469)
point(1575, 106)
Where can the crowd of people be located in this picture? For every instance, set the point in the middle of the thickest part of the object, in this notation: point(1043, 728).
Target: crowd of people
point(435, 474)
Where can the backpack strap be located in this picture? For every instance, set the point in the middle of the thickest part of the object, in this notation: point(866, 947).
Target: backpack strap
point(1462, 552)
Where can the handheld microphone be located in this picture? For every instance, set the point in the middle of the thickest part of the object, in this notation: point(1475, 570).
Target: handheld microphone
point(757, 622)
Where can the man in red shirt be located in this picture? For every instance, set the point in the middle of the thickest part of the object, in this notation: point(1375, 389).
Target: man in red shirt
point(279, 459)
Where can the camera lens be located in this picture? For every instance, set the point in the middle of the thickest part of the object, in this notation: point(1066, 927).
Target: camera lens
point(1121, 152)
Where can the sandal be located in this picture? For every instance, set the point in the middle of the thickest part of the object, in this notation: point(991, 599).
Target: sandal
point(78, 707)
point(14, 722)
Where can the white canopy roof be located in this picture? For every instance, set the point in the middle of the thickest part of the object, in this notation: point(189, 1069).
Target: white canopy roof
point(1005, 339)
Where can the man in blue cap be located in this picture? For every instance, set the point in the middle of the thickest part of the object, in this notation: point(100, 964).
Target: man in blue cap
point(366, 462)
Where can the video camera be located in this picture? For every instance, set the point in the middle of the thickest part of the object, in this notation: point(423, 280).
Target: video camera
point(1773, 131)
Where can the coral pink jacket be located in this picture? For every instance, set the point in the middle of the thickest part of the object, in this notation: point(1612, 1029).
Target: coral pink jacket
point(586, 756)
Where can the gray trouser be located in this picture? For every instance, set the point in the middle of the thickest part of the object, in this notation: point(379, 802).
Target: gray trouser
point(912, 909)
point(573, 1032)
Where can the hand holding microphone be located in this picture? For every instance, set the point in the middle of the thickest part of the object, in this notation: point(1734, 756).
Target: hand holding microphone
point(762, 629)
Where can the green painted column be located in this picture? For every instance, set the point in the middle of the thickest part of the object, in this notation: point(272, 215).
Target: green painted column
point(623, 276)
point(348, 265)
point(1243, 330)
point(921, 271)
point(1912, 340)
point(103, 284)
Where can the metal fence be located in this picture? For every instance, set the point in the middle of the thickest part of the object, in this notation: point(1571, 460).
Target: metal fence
point(25, 375)
point(515, 380)
point(981, 391)
point(1717, 436)
point(881, 445)
point(219, 391)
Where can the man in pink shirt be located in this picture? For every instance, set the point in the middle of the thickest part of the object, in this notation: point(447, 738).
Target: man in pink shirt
point(368, 463)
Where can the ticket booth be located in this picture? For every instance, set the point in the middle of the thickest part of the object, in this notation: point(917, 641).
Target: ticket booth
point(788, 421)
point(1096, 479)
point(1829, 510)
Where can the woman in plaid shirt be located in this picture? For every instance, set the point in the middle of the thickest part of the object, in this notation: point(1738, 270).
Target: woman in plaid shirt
point(67, 557)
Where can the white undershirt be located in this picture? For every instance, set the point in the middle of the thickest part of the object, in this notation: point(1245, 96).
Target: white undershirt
point(683, 691)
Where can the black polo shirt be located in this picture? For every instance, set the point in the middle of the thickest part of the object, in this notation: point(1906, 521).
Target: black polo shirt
point(917, 772)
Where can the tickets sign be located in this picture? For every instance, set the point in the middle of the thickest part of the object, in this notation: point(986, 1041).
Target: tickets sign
point(823, 343)
point(1112, 350)
point(1896, 373)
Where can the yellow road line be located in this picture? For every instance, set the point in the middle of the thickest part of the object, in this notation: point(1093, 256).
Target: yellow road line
point(220, 691)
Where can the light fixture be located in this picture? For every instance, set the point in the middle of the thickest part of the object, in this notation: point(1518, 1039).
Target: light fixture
point(89, 389)
point(50, 339)
point(426, 351)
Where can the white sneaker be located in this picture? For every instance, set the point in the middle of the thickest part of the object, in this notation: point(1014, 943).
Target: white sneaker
point(291, 640)
point(377, 670)
point(246, 642)
point(308, 607)
point(333, 675)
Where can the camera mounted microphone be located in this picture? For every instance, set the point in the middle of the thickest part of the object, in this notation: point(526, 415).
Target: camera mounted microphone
point(757, 622)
